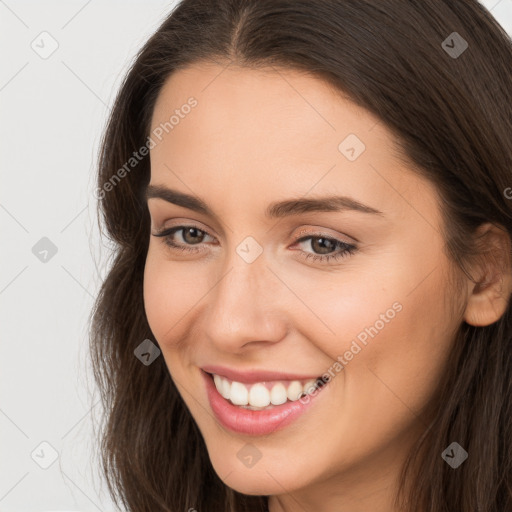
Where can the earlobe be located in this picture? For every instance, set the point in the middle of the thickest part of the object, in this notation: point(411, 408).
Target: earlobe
point(489, 297)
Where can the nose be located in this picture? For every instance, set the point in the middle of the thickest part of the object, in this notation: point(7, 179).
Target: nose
point(244, 309)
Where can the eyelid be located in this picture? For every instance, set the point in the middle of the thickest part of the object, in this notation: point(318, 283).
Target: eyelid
point(181, 223)
point(160, 232)
point(324, 232)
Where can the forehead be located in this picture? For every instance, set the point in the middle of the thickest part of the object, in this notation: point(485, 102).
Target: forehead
point(262, 102)
point(279, 132)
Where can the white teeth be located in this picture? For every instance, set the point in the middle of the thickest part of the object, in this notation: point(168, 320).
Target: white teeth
point(218, 383)
point(239, 394)
point(310, 386)
point(278, 394)
point(258, 396)
point(222, 385)
point(225, 389)
point(295, 390)
point(252, 408)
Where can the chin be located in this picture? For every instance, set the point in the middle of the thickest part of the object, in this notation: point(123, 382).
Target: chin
point(262, 479)
point(254, 484)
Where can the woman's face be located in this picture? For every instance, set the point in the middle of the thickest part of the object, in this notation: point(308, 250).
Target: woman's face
point(246, 291)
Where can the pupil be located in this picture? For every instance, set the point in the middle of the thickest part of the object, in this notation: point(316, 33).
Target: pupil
point(322, 242)
point(192, 230)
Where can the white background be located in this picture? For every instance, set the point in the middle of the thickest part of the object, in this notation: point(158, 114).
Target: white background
point(53, 112)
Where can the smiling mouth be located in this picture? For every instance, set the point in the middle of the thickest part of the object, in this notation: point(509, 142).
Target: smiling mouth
point(259, 396)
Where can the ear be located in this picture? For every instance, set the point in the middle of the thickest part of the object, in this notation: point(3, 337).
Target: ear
point(490, 293)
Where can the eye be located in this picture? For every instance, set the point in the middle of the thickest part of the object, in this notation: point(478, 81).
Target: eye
point(322, 243)
point(192, 235)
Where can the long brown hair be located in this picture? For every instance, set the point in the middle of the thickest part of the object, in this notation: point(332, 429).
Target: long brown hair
point(450, 108)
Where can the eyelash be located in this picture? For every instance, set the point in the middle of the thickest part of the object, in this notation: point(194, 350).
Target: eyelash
point(347, 249)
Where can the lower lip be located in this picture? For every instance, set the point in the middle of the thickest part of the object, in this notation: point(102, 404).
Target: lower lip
point(255, 423)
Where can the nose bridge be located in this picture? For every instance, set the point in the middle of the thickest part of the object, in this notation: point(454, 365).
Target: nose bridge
point(242, 300)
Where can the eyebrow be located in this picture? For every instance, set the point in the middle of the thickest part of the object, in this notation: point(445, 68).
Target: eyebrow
point(275, 210)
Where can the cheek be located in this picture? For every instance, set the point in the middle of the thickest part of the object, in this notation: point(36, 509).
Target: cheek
point(391, 306)
point(418, 342)
point(397, 370)
point(342, 311)
point(169, 295)
point(392, 334)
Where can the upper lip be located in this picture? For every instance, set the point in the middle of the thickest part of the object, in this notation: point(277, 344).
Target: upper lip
point(251, 376)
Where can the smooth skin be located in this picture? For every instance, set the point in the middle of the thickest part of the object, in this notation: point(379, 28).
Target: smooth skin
point(260, 136)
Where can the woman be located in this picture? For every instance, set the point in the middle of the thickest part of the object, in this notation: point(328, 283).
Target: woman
point(308, 307)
